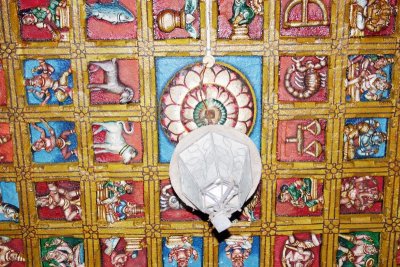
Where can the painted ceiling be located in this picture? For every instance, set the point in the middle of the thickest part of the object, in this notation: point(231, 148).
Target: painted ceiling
point(95, 95)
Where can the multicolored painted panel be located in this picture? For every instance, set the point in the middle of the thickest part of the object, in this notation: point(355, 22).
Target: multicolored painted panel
point(96, 94)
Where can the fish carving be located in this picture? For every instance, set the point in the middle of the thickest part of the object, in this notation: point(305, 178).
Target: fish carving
point(113, 12)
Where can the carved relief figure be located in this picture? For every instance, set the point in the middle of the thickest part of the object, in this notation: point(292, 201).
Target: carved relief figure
point(53, 138)
point(111, 19)
point(299, 197)
point(117, 201)
point(240, 19)
point(301, 140)
point(9, 203)
point(116, 142)
point(239, 251)
point(301, 250)
point(182, 251)
point(361, 194)
point(11, 252)
point(6, 144)
point(365, 138)
point(176, 19)
point(47, 21)
point(359, 248)
point(305, 18)
point(112, 82)
point(372, 17)
point(369, 77)
point(308, 78)
point(172, 208)
point(59, 201)
point(48, 82)
point(120, 252)
point(251, 210)
point(62, 251)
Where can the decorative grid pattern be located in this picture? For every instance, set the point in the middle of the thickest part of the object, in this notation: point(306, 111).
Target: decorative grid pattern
point(336, 110)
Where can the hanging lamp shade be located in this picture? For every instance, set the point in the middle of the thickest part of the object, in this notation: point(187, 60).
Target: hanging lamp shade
point(215, 169)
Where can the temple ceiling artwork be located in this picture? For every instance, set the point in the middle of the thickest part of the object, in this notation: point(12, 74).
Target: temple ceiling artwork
point(95, 95)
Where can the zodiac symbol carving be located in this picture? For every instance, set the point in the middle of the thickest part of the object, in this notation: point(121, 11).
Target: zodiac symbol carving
point(308, 80)
point(314, 148)
point(305, 22)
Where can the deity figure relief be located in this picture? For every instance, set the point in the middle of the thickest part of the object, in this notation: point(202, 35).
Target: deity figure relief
point(115, 201)
point(369, 77)
point(372, 17)
point(301, 194)
point(243, 21)
point(238, 249)
point(181, 250)
point(252, 208)
point(6, 143)
point(361, 194)
point(9, 204)
point(398, 253)
point(48, 81)
point(298, 252)
point(365, 138)
point(120, 252)
point(360, 249)
point(62, 252)
point(53, 141)
point(11, 252)
point(58, 198)
point(44, 22)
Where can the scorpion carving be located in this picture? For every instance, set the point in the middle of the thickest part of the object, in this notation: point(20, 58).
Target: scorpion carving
point(307, 80)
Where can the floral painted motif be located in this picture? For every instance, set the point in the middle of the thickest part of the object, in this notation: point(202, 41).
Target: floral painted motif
point(199, 96)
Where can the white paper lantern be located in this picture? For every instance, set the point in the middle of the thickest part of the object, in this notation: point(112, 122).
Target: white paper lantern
point(215, 169)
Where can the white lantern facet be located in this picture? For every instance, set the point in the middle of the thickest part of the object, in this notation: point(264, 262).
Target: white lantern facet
point(215, 169)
